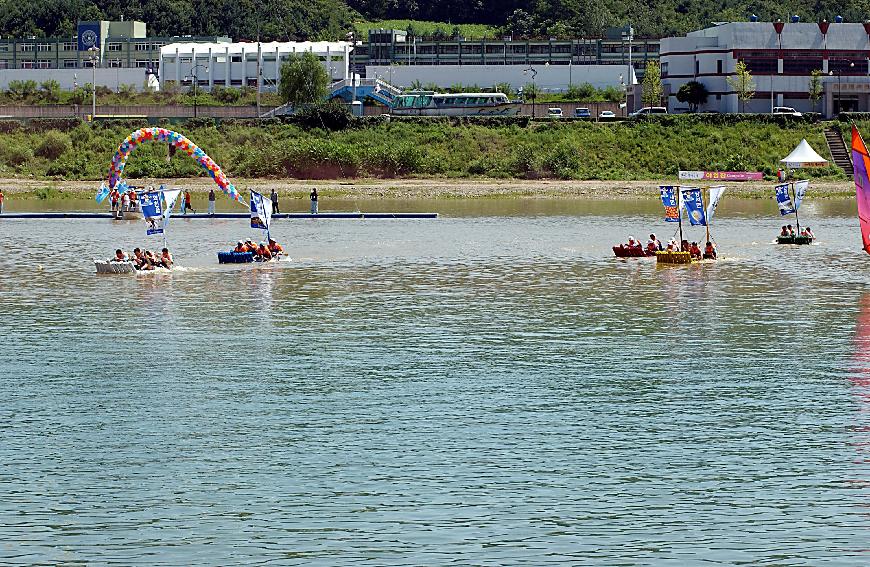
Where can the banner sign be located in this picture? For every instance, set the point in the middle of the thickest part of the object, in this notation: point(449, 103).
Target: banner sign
point(152, 210)
point(694, 204)
point(783, 199)
point(88, 35)
point(669, 200)
point(715, 195)
point(722, 175)
point(800, 189)
point(261, 211)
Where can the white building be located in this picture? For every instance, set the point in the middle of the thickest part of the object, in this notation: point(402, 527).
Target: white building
point(235, 64)
point(780, 56)
point(547, 78)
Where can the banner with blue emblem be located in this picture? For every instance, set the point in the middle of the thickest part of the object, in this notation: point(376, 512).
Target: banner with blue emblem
point(669, 200)
point(156, 207)
point(693, 201)
point(88, 35)
point(783, 199)
point(261, 211)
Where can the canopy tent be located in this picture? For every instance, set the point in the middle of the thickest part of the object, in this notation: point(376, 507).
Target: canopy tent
point(804, 156)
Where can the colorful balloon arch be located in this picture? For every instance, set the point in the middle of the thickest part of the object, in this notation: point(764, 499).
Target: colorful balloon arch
point(180, 142)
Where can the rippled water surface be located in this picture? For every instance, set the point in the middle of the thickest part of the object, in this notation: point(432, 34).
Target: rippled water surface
point(488, 388)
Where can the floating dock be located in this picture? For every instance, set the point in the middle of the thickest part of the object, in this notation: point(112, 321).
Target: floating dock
point(108, 216)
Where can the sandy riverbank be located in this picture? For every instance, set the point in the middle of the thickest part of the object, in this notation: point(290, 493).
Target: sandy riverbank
point(429, 188)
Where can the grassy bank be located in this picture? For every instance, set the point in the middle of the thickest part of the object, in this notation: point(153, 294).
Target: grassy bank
point(65, 150)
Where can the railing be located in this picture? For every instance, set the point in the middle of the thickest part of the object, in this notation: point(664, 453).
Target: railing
point(148, 110)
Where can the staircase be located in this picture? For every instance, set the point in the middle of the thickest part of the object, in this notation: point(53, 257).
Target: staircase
point(838, 150)
point(374, 89)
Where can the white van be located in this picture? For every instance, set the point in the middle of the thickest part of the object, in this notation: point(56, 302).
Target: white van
point(785, 111)
point(647, 110)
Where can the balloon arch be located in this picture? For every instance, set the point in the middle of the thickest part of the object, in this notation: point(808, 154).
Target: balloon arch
point(180, 142)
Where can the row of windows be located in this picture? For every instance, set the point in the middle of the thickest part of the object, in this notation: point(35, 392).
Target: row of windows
point(75, 63)
point(73, 46)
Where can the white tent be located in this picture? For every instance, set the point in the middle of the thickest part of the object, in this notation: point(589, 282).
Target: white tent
point(804, 156)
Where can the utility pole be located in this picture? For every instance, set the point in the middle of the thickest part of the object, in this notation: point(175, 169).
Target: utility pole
point(259, 70)
point(94, 58)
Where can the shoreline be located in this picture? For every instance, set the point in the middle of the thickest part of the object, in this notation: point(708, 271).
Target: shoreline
point(423, 188)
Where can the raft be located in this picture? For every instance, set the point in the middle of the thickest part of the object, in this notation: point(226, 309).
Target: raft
point(623, 251)
point(673, 257)
point(108, 267)
point(235, 257)
point(797, 239)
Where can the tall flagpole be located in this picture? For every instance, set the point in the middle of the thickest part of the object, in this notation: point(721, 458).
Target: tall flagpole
point(797, 219)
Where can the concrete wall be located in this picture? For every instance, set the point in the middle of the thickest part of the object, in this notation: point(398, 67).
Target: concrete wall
point(111, 78)
point(552, 78)
point(151, 111)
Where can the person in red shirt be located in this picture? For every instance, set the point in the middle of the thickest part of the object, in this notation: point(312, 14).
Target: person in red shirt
point(275, 248)
point(2, 198)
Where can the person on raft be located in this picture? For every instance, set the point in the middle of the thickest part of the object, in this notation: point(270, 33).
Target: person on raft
point(275, 248)
point(119, 256)
point(695, 251)
point(165, 259)
point(653, 244)
point(240, 247)
point(632, 243)
point(709, 251)
point(809, 233)
point(784, 231)
point(262, 253)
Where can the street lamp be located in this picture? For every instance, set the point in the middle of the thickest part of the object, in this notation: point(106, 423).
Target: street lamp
point(840, 84)
point(351, 36)
point(94, 57)
point(534, 74)
point(196, 84)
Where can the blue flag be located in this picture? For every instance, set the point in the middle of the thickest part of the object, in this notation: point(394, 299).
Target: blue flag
point(102, 193)
point(694, 203)
point(783, 199)
point(669, 200)
point(152, 210)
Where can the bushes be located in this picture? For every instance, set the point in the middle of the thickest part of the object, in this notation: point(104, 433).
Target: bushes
point(53, 145)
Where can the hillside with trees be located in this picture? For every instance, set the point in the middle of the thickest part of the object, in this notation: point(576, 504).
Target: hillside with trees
point(331, 19)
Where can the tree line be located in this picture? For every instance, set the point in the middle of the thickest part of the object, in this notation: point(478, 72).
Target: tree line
point(286, 20)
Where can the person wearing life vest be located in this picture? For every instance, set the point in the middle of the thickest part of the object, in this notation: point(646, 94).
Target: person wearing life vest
point(695, 251)
point(275, 248)
point(240, 247)
point(709, 251)
point(263, 252)
point(810, 233)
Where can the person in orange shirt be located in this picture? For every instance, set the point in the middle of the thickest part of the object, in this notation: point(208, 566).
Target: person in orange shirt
point(275, 248)
point(2, 198)
point(263, 253)
point(240, 247)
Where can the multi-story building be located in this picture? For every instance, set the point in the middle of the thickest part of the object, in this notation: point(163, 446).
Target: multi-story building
point(119, 45)
point(781, 58)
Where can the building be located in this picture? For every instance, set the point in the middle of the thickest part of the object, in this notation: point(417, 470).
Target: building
point(122, 44)
point(235, 64)
point(394, 47)
point(546, 77)
point(781, 58)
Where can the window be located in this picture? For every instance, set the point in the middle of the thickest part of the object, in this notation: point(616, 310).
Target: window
point(4, 47)
point(114, 63)
point(142, 47)
point(185, 60)
point(70, 64)
point(144, 64)
point(4, 65)
point(69, 46)
point(236, 59)
point(26, 64)
point(43, 64)
point(43, 47)
point(169, 59)
point(664, 69)
point(220, 59)
point(719, 66)
point(718, 97)
point(27, 47)
point(114, 47)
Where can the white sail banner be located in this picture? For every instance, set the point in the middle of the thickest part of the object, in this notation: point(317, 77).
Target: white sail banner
point(715, 195)
point(800, 189)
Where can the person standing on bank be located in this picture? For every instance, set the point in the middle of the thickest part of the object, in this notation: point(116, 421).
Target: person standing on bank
point(314, 201)
point(275, 208)
point(211, 201)
point(2, 198)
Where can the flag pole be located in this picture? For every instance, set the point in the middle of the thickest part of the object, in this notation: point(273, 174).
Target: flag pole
point(680, 214)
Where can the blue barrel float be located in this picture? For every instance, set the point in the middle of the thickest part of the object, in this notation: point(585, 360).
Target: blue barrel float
point(235, 257)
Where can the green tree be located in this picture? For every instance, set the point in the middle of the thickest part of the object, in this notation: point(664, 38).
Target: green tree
point(49, 91)
point(815, 88)
point(303, 80)
point(694, 94)
point(652, 84)
point(504, 88)
point(742, 84)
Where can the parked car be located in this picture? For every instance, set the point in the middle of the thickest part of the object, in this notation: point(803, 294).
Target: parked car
point(648, 110)
point(554, 112)
point(785, 111)
point(582, 113)
point(606, 115)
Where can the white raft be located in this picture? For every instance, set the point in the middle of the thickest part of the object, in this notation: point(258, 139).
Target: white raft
point(109, 267)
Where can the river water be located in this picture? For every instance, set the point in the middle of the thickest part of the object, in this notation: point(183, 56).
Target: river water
point(488, 388)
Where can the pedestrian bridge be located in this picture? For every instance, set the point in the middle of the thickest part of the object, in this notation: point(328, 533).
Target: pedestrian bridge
point(374, 89)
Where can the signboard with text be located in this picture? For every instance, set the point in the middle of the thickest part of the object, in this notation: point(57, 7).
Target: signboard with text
point(722, 175)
